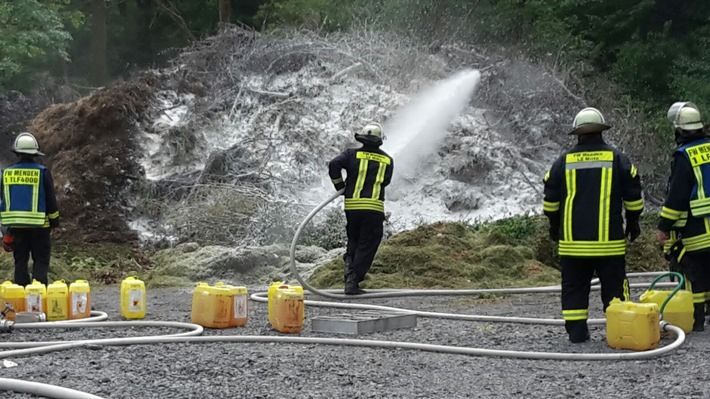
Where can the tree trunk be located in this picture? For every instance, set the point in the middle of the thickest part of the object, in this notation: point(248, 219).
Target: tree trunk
point(144, 36)
point(64, 70)
point(121, 7)
point(438, 26)
point(225, 8)
point(98, 43)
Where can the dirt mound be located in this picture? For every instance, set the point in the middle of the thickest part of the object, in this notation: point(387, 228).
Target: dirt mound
point(92, 153)
point(17, 109)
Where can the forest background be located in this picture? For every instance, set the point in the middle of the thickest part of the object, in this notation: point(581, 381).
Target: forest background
point(630, 58)
point(655, 51)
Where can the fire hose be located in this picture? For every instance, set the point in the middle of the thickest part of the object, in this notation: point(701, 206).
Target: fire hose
point(194, 331)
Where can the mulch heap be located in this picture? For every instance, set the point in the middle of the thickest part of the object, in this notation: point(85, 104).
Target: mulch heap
point(92, 152)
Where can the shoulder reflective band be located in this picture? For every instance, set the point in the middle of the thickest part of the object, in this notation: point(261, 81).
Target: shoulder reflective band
point(371, 156)
point(589, 160)
point(699, 154)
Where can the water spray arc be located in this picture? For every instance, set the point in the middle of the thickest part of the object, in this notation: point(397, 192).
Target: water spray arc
point(418, 129)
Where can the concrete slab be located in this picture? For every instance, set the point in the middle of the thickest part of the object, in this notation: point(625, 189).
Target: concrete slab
point(363, 322)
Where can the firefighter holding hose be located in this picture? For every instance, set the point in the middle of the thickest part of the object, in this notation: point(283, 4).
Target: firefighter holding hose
point(369, 171)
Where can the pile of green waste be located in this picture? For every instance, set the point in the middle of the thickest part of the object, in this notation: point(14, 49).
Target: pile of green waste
point(453, 255)
point(513, 252)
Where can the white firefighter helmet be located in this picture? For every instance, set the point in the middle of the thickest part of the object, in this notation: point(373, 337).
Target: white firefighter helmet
point(26, 143)
point(371, 133)
point(589, 120)
point(685, 116)
point(373, 129)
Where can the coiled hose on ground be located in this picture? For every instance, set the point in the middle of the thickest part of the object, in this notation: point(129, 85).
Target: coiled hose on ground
point(17, 349)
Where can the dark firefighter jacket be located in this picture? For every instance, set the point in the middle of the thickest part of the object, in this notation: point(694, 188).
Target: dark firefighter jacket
point(585, 191)
point(28, 197)
point(369, 171)
point(687, 204)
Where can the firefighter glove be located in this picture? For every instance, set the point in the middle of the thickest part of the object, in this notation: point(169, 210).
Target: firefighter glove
point(555, 233)
point(8, 242)
point(633, 230)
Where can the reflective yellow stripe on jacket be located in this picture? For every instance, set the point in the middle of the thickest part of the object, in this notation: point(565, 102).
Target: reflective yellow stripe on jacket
point(634, 205)
point(575, 314)
point(357, 203)
point(604, 162)
point(592, 248)
point(697, 243)
point(698, 156)
point(550, 206)
point(23, 177)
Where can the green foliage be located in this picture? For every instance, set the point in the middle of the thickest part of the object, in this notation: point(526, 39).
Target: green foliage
point(98, 263)
point(644, 254)
point(642, 66)
point(510, 252)
point(656, 50)
point(691, 69)
point(30, 33)
point(451, 255)
point(328, 233)
point(328, 14)
point(518, 229)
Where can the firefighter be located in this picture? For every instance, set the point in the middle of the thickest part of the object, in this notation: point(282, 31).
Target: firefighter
point(673, 246)
point(369, 171)
point(29, 210)
point(688, 202)
point(586, 190)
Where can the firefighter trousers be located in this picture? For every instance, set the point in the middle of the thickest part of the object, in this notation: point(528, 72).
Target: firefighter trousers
point(696, 269)
point(364, 229)
point(37, 243)
point(577, 274)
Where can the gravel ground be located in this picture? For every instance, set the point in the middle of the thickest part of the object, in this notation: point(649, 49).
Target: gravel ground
point(309, 371)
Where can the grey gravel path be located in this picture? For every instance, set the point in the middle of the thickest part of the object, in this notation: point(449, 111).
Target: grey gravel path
point(309, 371)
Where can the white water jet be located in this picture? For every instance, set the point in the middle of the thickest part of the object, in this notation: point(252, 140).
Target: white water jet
point(416, 131)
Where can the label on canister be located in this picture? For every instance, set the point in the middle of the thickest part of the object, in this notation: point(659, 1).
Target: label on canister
point(135, 297)
point(78, 302)
point(240, 306)
point(34, 303)
point(56, 310)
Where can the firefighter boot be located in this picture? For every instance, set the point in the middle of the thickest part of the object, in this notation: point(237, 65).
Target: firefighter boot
point(699, 316)
point(577, 330)
point(348, 267)
point(351, 285)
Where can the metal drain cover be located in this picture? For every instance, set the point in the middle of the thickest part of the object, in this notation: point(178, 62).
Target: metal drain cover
point(364, 322)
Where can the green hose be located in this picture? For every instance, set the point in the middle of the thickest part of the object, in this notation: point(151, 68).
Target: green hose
point(681, 283)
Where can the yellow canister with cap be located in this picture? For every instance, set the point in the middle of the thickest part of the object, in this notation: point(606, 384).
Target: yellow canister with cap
point(289, 312)
point(36, 297)
point(14, 296)
point(211, 306)
point(57, 301)
point(133, 298)
point(633, 326)
point(79, 299)
point(239, 304)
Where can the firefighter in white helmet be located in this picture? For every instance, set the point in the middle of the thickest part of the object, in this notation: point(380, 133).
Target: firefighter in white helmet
point(686, 208)
point(369, 171)
point(29, 210)
point(586, 191)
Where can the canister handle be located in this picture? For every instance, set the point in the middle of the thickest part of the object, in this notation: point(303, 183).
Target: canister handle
point(681, 283)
